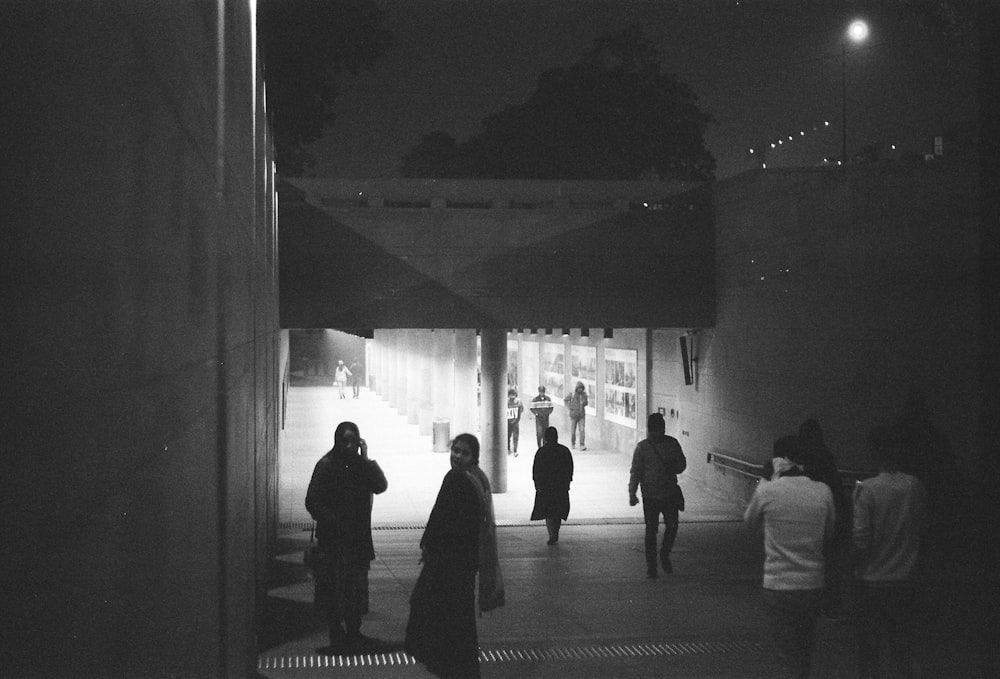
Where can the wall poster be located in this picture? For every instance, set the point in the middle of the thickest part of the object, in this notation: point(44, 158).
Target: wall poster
point(554, 371)
point(584, 369)
point(528, 388)
point(620, 386)
point(512, 365)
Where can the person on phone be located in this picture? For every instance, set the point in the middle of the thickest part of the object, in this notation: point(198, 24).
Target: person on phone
point(339, 499)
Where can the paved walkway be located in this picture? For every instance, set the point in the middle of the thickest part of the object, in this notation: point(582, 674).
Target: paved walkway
point(414, 471)
point(582, 608)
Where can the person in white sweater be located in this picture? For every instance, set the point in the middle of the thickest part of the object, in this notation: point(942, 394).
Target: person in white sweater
point(889, 515)
point(797, 516)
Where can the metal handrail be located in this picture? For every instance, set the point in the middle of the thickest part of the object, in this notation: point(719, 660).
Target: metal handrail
point(736, 465)
point(849, 477)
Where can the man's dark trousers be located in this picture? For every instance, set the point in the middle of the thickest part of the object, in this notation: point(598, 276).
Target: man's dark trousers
point(652, 508)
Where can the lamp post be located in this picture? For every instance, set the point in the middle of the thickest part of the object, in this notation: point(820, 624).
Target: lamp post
point(857, 32)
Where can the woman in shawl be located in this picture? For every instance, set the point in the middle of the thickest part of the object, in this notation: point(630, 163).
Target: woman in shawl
point(459, 540)
point(552, 473)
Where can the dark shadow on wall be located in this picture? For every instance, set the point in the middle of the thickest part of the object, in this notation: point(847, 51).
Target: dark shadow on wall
point(288, 613)
point(632, 268)
point(332, 277)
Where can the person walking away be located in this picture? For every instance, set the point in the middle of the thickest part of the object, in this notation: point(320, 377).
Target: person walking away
point(797, 515)
point(577, 405)
point(514, 410)
point(339, 499)
point(552, 472)
point(459, 540)
point(356, 377)
point(820, 465)
point(340, 376)
point(889, 516)
point(541, 408)
point(656, 462)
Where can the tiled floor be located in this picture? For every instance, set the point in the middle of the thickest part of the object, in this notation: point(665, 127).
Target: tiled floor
point(414, 471)
point(582, 608)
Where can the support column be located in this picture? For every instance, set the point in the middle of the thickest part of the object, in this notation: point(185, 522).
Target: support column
point(371, 364)
point(465, 414)
point(493, 439)
point(399, 383)
point(382, 374)
point(443, 374)
point(425, 381)
point(412, 374)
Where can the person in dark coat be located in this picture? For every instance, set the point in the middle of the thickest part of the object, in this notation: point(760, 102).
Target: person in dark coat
point(552, 473)
point(820, 465)
point(656, 462)
point(339, 499)
point(459, 540)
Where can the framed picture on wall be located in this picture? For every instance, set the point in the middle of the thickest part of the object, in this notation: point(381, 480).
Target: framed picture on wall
point(512, 376)
point(553, 370)
point(529, 368)
point(620, 398)
point(583, 368)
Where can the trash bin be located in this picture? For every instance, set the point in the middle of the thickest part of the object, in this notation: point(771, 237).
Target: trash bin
point(442, 435)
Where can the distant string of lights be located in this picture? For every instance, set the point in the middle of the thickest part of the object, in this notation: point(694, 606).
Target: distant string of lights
point(759, 153)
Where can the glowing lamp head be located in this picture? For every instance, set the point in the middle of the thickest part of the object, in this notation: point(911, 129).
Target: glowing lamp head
point(857, 31)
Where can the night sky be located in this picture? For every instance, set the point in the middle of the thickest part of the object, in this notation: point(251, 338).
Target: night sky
point(765, 69)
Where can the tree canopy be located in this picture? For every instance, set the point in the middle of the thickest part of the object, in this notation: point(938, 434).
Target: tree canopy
point(305, 45)
point(613, 115)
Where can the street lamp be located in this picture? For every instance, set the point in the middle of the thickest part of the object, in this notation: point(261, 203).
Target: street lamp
point(857, 32)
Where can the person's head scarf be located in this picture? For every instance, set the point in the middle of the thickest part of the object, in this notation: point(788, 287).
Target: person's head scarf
point(346, 440)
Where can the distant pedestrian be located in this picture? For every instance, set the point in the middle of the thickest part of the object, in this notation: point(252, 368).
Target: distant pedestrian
point(340, 376)
point(552, 473)
point(798, 516)
point(514, 410)
point(820, 465)
point(459, 540)
point(339, 499)
point(889, 515)
point(577, 404)
point(541, 408)
point(927, 454)
point(356, 378)
point(656, 462)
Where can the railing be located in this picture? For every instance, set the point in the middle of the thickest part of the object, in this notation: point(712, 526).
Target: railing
point(728, 463)
point(742, 467)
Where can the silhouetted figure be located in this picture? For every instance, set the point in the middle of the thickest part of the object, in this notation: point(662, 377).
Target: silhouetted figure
point(339, 499)
point(459, 540)
point(798, 516)
point(577, 404)
point(656, 462)
point(514, 410)
point(820, 465)
point(889, 512)
point(355, 377)
point(541, 408)
point(552, 473)
point(926, 453)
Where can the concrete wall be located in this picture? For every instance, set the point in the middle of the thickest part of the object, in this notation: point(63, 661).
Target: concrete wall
point(416, 254)
point(140, 408)
point(837, 292)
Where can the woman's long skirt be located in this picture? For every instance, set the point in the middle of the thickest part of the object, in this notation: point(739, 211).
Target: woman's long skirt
point(441, 631)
